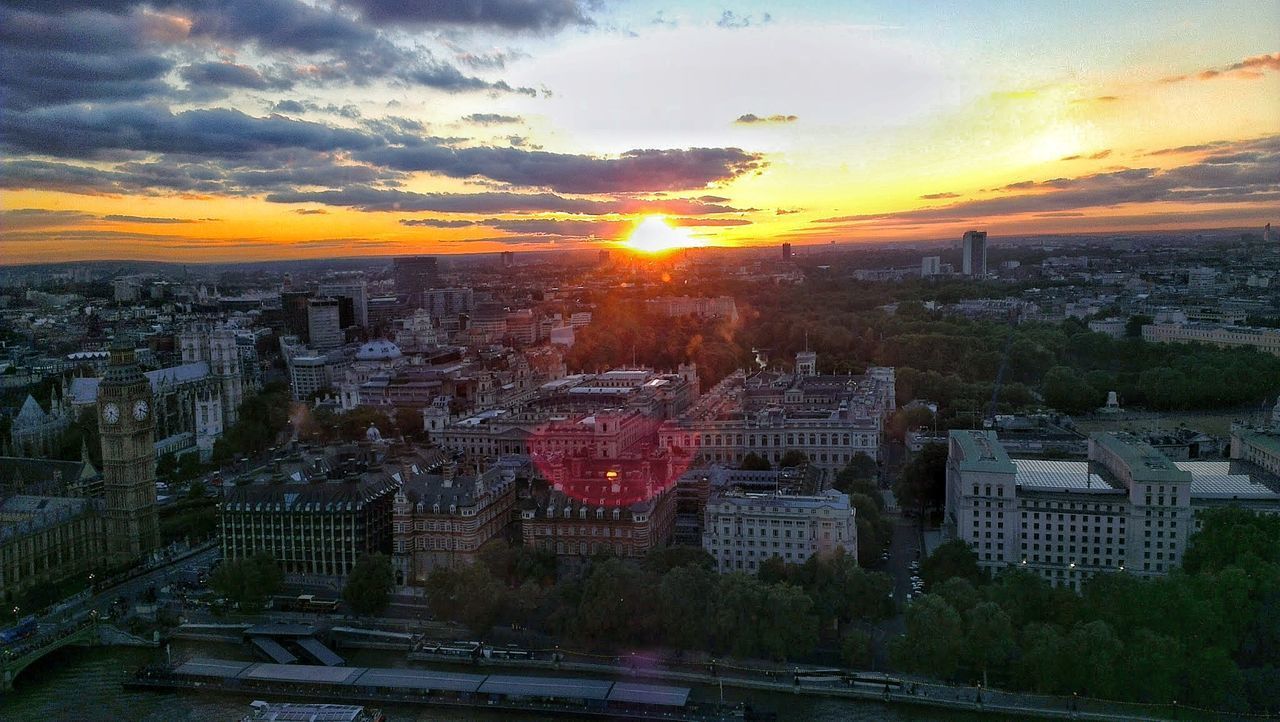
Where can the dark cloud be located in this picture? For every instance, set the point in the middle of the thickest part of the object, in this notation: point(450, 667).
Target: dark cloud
point(22, 218)
point(84, 56)
point(492, 119)
point(1250, 68)
point(116, 218)
point(85, 132)
point(311, 212)
point(633, 171)
point(231, 75)
point(938, 196)
point(1243, 172)
point(437, 223)
point(753, 119)
point(516, 15)
point(367, 198)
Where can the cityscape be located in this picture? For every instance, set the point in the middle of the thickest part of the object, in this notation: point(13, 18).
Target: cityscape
point(365, 361)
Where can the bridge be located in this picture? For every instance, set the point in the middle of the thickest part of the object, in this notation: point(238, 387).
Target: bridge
point(85, 633)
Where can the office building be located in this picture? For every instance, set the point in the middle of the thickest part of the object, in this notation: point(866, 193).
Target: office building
point(1266, 340)
point(315, 512)
point(786, 251)
point(293, 306)
point(930, 266)
point(974, 258)
point(1127, 508)
point(744, 529)
point(442, 517)
point(357, 291)
point(324, 323)
point(414, 275)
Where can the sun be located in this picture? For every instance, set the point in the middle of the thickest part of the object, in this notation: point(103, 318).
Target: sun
point(654, 235)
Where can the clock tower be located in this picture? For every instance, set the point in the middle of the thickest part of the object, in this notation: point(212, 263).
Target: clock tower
point(126, 424)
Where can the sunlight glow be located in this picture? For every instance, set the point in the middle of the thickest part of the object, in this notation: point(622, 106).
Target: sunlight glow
point(654, 235)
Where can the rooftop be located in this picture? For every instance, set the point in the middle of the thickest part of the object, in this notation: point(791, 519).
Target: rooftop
point(1041, 474)
point(981, 451)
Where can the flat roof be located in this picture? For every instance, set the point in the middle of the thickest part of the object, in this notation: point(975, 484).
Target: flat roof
point(649, 694)
point(981, 451)
point(561, 688)
point(306, 712)
point(1145, 464)
point(1059, 475)
point(280, 630)
point(303, 673)
point(1219, 480)
point(206, 667)
point(421, 679)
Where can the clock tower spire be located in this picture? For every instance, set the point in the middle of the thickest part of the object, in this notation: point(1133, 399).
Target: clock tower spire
point(127, 429)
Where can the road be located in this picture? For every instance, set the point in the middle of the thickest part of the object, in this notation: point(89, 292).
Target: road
point(68, 614)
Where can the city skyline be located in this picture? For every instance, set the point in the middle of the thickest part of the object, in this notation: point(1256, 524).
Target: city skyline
point(188, 131)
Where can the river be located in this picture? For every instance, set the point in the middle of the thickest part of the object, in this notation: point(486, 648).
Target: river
point(84, 684)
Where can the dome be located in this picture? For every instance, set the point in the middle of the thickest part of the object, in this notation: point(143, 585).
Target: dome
point(379, 350)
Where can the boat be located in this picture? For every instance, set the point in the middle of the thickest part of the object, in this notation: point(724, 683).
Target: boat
point(311, 712)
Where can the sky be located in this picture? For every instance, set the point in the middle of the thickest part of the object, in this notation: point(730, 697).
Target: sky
point(215, 130)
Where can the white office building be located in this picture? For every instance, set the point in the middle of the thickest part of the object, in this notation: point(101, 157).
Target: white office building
point(354, 289)
point(974, 258)
point(742, 530)
point(1128, 508)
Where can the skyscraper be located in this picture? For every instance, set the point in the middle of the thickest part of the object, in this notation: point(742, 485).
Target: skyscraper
point(415, 274)
point(930, 266)
point(354, 289)
point(975, 253)
point(786, 251)
point(128, 457)
point(324, 324)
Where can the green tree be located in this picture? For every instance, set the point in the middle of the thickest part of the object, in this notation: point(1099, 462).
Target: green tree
point(247, 582)
point(792, 458)
point(952, 559)
point(934, 640)
point(855, 649)
point(1133, 327)
point(368, 588)
point(686, 603)
point(754, 462)
point(470, 595)
point(663, 559)
point(989, 639)
point(923, 481)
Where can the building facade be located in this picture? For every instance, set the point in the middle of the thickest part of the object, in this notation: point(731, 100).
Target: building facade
point(744, 529)
point(1266, 340)
point(48, 539)
point(1128, 508)
point(974, 253)
point(442, 518)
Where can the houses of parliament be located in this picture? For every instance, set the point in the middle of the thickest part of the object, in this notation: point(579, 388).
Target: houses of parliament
point(48, 531)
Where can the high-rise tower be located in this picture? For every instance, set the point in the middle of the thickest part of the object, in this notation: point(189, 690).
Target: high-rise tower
point(127, 426)
point(974, 259)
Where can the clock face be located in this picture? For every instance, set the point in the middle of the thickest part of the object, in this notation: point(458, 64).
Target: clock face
point(140, 409)
point(111, 413)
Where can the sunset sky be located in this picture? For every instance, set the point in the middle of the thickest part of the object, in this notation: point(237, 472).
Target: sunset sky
point(203, 130)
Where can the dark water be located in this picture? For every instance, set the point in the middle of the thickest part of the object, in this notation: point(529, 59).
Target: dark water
point(84, 684)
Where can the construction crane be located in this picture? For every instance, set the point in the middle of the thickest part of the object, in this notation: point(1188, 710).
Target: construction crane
point(1004, 364)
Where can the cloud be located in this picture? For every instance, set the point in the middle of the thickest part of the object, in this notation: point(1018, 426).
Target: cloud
point(231, 75)
point(436, 223)
point(1242, 172)
point(513, 15)
point(367, 198)
point(116, 218)
point(753, 119)
point(730, 19)
point(311, 211)
point(23, 218)
point(939, 196)
point(644, 170)
point(492, 119)
point(1250, 68)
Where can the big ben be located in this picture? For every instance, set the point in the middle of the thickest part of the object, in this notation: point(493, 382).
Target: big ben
point(127, 428)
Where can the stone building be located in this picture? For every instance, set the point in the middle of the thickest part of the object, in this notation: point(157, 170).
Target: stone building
point(47, 540)
point(443, 517)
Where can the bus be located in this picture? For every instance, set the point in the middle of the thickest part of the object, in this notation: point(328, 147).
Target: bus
point(25, 627)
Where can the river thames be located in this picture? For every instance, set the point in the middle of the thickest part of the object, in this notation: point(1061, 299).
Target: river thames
point(85, 684)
